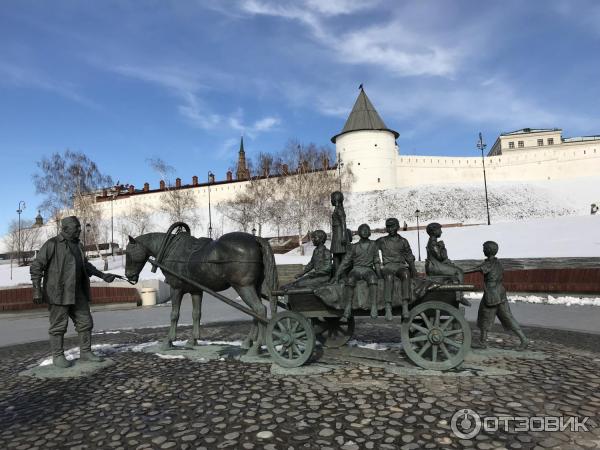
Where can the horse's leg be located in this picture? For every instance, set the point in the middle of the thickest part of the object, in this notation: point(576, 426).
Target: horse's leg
point(175, 306)
point(196, 315)
point(249, 295)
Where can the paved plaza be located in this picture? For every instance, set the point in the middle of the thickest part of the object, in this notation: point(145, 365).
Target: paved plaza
point(362, 397)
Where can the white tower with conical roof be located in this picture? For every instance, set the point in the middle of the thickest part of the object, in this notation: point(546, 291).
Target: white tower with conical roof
point(368, 146)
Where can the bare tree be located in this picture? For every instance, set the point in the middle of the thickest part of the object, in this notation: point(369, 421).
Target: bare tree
point(180, 205)
point(136, 221)
point(239, 210)
point(306, 185)
point(28, 241)
point(68, 181)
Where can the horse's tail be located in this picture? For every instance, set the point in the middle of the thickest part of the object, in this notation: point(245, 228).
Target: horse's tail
point(270, 280)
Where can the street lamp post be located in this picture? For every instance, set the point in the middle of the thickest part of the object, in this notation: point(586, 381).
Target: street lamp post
point(113, 197)
point(481, 146)
point(254, 231)
point(86, 231)
point(19, 211)
point(210, 176)
point(418, 235)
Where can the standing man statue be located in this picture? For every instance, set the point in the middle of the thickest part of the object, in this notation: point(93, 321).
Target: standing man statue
point(339, 234)
point(363, 257)
point(65, 271)
point(398, 261)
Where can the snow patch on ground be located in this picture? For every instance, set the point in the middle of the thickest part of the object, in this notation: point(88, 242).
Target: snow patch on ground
point(111, 349)
point(374, 345)
point(546, 300)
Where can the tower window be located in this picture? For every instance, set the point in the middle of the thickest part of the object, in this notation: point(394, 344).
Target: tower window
point(540, 142)
point(511, 144)
point(378, 179)
point(550, 141)
point(521, 144)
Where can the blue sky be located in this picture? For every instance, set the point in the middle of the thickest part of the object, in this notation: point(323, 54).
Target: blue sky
point(124, 81)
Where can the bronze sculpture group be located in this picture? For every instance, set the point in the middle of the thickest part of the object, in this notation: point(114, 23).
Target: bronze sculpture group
point(246, 263)
point(390, 258)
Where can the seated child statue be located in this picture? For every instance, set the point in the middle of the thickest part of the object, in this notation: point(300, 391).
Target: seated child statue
point(494, 302)
point(437, 262)
point(318, 270)
point(363, 257)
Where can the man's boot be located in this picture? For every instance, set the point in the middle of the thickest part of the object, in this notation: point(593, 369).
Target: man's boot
point(524, 341)
point(58, 354)
point(373, 300)
point(85, 348)
point(482, 344)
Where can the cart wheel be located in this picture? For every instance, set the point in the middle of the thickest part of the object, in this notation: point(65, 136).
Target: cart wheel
point(333, 332)
point(436, 336)
point(290, 339)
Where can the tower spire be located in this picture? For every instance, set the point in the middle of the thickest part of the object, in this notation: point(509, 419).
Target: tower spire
point(242, 172)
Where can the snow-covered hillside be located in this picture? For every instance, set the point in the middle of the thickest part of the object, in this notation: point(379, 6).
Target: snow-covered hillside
point(465, 203)
point(535, 238)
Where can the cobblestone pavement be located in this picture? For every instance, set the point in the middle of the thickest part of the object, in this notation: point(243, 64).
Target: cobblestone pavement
point(144, 401)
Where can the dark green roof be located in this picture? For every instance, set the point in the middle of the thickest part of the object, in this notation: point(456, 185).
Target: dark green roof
point(363, 117)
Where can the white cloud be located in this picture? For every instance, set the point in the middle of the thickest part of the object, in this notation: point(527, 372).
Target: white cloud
point(390, 45)
point(185, 84)
point(25, 76)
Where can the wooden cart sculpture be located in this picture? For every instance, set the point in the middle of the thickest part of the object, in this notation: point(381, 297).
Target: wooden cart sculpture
point(434, 332)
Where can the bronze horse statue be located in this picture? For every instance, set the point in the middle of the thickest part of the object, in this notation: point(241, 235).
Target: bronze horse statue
point(239, 260)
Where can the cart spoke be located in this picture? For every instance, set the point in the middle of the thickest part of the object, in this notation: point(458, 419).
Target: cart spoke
point(288, 324)
point(437, 318)
point(452, 332)
point(290, 352)
point(422, 337)
point(300, 334)
point(277, 334)
point(419, 328)
point(446, 323)
point(294, 327)
point(445, 350)
point(452, 343)
point(424, 348)
point(426, 320)
point(434, 351)
point(281, 327)
point(283, 348)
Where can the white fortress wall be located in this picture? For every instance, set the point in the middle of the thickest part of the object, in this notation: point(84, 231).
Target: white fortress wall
point(125, 202)
point(569, 161)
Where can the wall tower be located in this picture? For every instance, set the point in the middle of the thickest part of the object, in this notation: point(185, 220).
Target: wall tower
point(368, 146)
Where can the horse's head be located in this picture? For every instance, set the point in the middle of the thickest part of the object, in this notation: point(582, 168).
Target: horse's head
point(135, 259)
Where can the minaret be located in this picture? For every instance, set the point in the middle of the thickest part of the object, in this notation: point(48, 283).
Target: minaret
point(242, 169)
point(368, 146)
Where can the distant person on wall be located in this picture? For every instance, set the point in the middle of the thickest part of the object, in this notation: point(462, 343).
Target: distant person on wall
point(594, 209)
point(65, 271)
point(494, 302)
point(339, 236)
